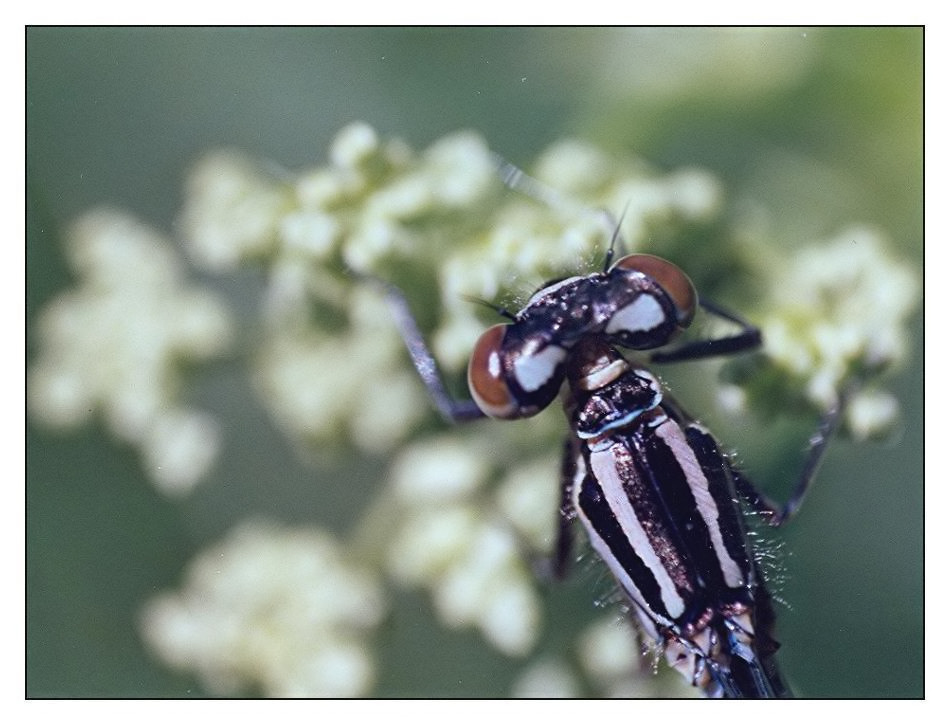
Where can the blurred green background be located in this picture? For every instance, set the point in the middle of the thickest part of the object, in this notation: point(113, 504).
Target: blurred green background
point(818, 127)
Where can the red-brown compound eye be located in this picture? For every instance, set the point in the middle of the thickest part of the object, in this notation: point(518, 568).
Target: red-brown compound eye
point(671, 278)
point(486, 376)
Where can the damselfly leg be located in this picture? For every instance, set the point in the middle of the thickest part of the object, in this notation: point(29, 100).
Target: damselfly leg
point(747, 339)
point(453, 410)
point(777, 514)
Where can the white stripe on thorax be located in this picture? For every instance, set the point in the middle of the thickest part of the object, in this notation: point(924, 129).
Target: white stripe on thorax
point(648, 618)
point(671, 434)
point(604, 469)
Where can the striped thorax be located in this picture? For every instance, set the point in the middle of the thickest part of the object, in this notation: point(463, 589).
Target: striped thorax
point(660, 508)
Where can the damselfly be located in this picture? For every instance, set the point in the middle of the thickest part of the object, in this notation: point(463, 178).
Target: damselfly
point(662, 505)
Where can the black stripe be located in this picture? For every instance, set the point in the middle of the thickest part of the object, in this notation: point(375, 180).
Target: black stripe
point(650, 508)
point(596, 510)
point(722, 489)
point(687, 526)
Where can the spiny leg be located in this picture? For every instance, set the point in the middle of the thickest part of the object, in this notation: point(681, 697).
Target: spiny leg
point(452, 409)
point(776, 514)
point(747, 339)
point(566, 514)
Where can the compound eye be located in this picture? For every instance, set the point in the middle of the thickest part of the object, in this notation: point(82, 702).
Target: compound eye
point(486, 376)
point(671, 278)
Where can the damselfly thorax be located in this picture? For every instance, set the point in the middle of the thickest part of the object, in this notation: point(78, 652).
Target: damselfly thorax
point(660, 507)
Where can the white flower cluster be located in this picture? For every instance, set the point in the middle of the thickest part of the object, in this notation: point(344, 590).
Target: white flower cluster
point(232, 211)
point(272, 609)
point(353, 381)
point(452, 537)
point(368, 198)
point(838, 314)
point(116, 341)
point(436, 221)
point(319, 376)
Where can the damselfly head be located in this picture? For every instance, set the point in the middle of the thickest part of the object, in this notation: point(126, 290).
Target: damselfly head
point(641, 303)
